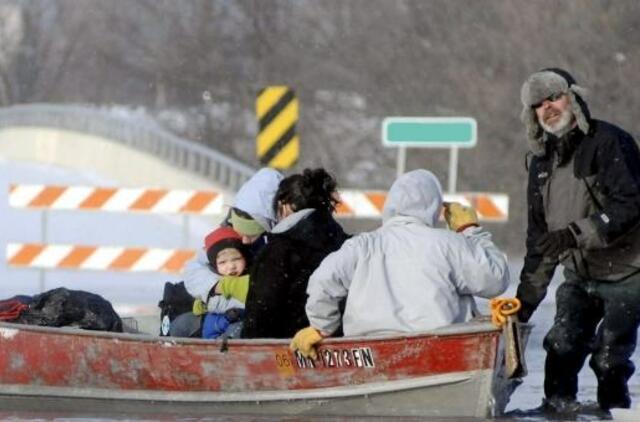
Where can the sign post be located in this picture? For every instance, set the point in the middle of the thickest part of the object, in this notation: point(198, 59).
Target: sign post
point(430, 132)
point(402, 161)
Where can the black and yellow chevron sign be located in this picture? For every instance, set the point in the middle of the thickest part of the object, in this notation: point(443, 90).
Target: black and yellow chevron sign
point(277, 144)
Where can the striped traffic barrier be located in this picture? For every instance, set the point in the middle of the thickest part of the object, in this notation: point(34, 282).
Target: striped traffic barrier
point(98, 258)
point(88, 198)
point(491, 207)
point(277, 141)
point(354, 203)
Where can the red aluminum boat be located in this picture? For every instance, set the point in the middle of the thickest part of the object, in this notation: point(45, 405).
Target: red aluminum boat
point(453, 371)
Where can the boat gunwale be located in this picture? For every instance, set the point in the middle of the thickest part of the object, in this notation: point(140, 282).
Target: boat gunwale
point(481, 328)
point(466, 328)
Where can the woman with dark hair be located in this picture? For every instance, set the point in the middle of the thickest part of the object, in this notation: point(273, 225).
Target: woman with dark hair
point(305, 234)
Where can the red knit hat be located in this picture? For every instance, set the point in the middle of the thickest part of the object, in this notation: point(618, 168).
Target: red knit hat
point(221, 233)
point(222, 238)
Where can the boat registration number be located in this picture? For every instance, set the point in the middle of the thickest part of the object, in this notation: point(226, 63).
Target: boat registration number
point(358, 357)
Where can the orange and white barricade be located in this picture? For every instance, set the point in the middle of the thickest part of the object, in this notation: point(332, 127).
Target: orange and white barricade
point(490, 207)
point(97, 258)
point(50, 256)
point(354, 204)
point(86, 198)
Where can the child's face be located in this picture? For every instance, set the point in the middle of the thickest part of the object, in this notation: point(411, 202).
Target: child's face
point(230, 262)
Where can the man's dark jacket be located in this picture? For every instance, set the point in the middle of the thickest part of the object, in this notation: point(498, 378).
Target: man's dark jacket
point(275, 306)
point(590, 184)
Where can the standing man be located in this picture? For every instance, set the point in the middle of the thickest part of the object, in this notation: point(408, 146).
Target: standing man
point(584, 212)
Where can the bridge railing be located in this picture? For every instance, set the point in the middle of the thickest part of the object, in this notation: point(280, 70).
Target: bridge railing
point(136, 131)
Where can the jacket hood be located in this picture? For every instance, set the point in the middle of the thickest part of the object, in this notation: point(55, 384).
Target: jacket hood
point(316, 228)
point(415, 194)
point(541, 85)
point(255, 197)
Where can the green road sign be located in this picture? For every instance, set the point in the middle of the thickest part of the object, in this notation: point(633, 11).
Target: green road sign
point(429, 132)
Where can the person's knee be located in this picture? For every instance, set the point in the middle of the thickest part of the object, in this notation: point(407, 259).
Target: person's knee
point(186, 325)
point(562, 343)
point(572, 295)
point(612, 362)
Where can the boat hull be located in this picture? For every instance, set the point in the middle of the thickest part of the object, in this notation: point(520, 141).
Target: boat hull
point(449, 372)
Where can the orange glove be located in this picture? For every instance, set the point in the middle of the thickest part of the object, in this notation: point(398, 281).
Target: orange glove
point(305, 341)
point(459, 217)
point(501, 308)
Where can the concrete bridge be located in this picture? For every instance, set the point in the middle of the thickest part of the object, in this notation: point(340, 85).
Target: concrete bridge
point(129, 151)
point(132, 150)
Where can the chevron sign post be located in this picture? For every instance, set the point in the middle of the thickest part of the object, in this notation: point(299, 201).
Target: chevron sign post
point(277, 143)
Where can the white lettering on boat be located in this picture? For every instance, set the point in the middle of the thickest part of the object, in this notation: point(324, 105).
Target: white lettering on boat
point(360, 357)
point(367, 357)
point(304, 362)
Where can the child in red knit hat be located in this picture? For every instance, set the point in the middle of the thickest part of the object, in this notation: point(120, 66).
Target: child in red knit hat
point(225, 251)
point(229, 258)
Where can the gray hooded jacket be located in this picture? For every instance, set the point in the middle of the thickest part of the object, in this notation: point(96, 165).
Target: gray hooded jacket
point(255, 197)
point(407, 276)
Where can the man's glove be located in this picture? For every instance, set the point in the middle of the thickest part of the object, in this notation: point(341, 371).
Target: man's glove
point(199, 307)
point(554, 243)
point(459, 217)
point(305, 341)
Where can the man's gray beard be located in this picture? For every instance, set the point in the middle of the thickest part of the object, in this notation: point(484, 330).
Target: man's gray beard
point(562, 127)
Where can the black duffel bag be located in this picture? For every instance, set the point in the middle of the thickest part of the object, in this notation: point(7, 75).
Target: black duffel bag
point(62, 307)
point(176, 301)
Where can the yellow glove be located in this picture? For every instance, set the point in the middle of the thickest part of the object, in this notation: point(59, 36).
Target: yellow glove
point(236, 287)
point(459, 217)
point(501, 308)
point(305, 341)
point(199, 307)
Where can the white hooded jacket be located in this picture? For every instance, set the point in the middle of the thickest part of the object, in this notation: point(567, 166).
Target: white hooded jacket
point(255, 197)
point(407, 276)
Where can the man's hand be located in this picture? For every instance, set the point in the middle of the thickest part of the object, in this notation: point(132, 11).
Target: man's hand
point(458, 216)
point(305, 341)
point(554, 243)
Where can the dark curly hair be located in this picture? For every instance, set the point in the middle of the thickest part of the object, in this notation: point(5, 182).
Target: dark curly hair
point(313, 188)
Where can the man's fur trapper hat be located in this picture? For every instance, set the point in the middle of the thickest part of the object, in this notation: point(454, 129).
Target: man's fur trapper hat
point(541, 85)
